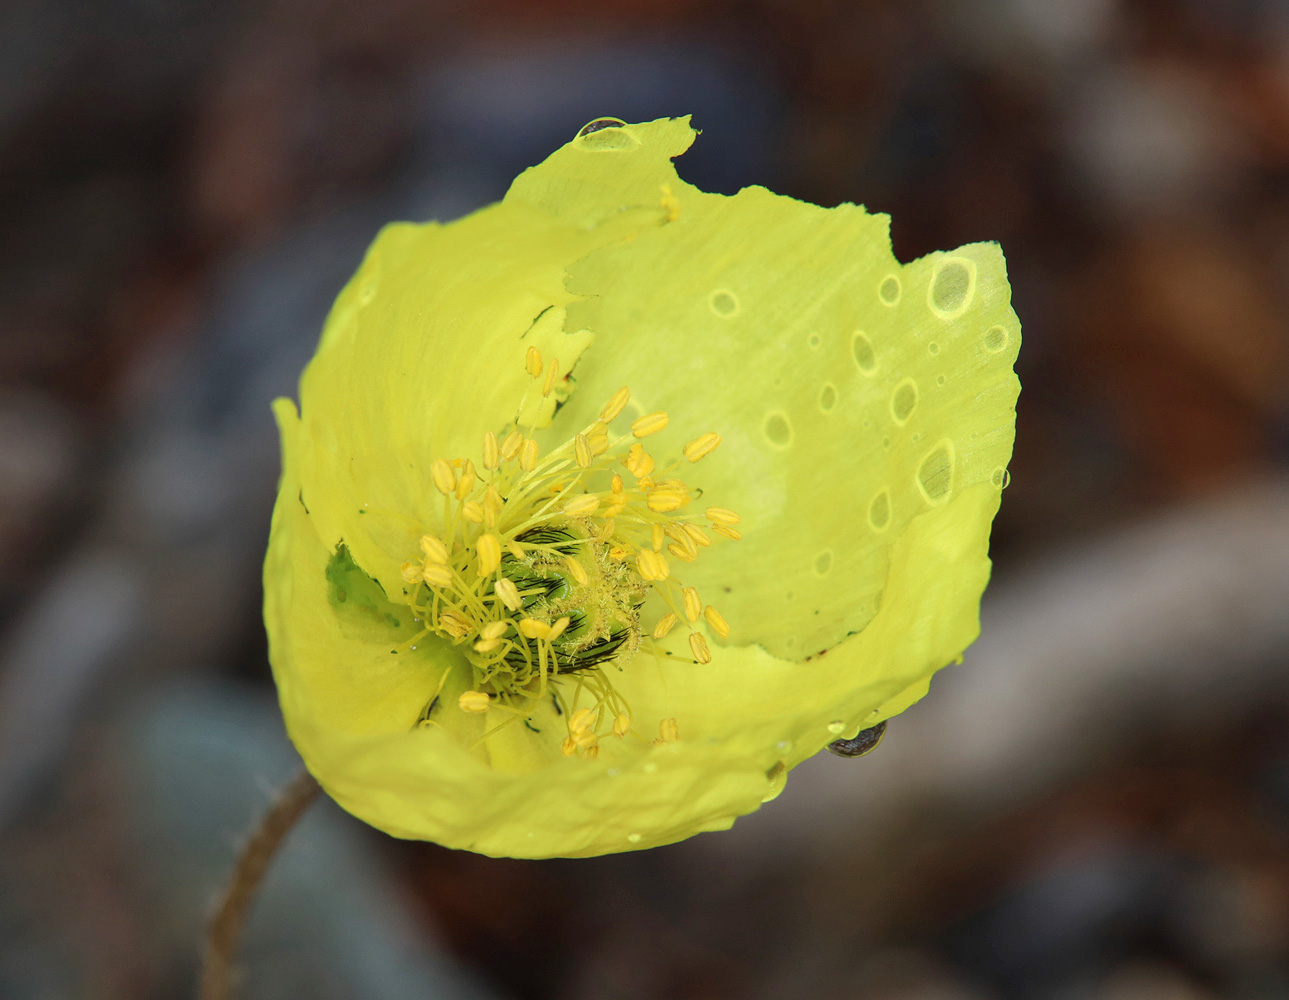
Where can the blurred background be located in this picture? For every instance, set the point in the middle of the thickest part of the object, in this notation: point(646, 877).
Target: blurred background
point(1096, 805)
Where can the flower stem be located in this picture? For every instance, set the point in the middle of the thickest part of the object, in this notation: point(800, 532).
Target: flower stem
point(226, 928)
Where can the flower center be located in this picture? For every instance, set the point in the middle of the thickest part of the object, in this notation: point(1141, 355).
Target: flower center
point(545, 563)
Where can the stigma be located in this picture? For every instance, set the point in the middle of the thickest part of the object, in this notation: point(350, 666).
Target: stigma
point(542, 564)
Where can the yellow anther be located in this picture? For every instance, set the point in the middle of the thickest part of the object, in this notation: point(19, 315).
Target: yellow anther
point(473, 701)
point(693, 603)
point(698, 646)
point(665, 499)
point(591, 752)
point(436, 575)
point(508, 593)
point(702, 446)
point(515, 549)
point(582, 451)
point(659, 536)
point(576, 571)
point(491, 451)
point(466, 481)
point(682, 553)
point(489, 548)
point(606, 530)
point(652, 565)
point(410, 571)
point(551, 375)
point(581, 720)
point(665, 624)
point(434, 549)
point(568, 747)
point(639, 461)
point(558, 628)
point(615, 404)
point(598, 443)
point(717, 623)
point(586, 739)
point(683, 540)
point(668, 730)
point(533, 362)
point(587, 503)
point(531, 628)
point(510, 447)
point(445, 480)
point(616, 483)
point(650, 423)
point(698, 535)
point(722, 515)
point(486, 645)
point(472, 511)
point(494, 630)
point(617, 553)
point(455, 624)
point(615, 506)
point(621, 725)
point(646, 484)
point(727, 531)
point(492, 504)
point(528, 455)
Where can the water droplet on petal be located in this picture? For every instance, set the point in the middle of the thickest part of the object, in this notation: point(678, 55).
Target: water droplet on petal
point(836, 728)
point(635, 838)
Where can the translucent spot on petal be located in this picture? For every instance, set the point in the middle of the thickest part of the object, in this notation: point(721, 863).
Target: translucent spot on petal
point(865, 356)
point(777, 430)
point(903, 400)
point(827, 397)
point(605, 135)
point(823, 563)
point(723, 303)
point(634, 838)
point(814, 340)
point(933, 347)
point(890, 291)
point(952, 287)
point(939, 380)
point(935, 473)
point(996, 339)
point(837, 727)
point(777, 776)
point(879, 510)
point(1000, 478)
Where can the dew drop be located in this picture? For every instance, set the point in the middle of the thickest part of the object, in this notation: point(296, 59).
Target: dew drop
point(935, 473)
point(903, 400)
point(598, 124)
point(1001, 478)
point(939, 380)
point(723, 302)
point(823, 563)
point(952, 287)
point(933, 347)
point(865, 356)
point(827, 397)
point(605, 135)
point(635, 838)
point(784, 746)
point(836, 728)
point(889, 291)
point(995, 339)
point(879, 510)
point(777, 430)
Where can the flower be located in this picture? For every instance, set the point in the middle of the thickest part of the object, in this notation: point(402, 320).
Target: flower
point(607, 505)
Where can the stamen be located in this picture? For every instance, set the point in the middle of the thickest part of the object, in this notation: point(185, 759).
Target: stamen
point(599, 443)
point(441, 474)
point(491, 451)
point(665, 624)
point(510, 447)
point(489, 548)
point(693, 603)
point(582, 451)
point(472, 512)
point(533, 362)
point(616, 483)
point(509, 594)
point(685, 553)
point(492, 504)
point(455, 624)
point(576, 571)
point(731, 533)
point(558, 628)
point(652, 565)
point(528, 455)
point(650, 423)
point(639, 461)
point(551, 375)
point(494, 630)
point(587, 503)
point(668, 731)
point(698, 646)
point(717, 623)
point(621, 725)
point(698, 535)
point(615, 404)
point(664, 499)
point(722, 515)
point(466, 481)
point(486, 645)
point(702, 446)
point(436, 575)
point(411, 571)
point(476, 702)
point(531, 628)
point(659, 536)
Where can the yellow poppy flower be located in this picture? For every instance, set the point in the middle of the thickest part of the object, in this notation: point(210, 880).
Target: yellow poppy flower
point(610, 503)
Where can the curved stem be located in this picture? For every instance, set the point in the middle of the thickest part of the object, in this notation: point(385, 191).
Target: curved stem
point(226, 928)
